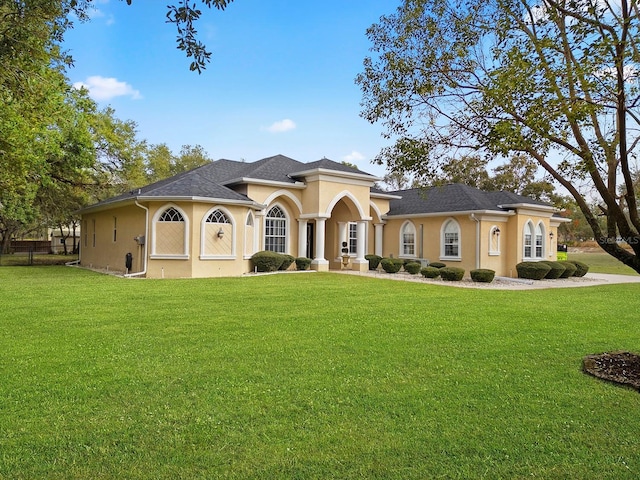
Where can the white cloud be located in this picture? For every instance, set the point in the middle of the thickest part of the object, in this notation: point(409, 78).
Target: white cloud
point(106, 88)
point(281, 126)
point(353, 157)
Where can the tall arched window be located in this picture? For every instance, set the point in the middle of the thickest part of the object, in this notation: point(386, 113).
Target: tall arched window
point(450, 240)
point(527, 251)
point(170, 227)
point(275, 230)
point(408, 240)
point(539, 241)
point(249, 236)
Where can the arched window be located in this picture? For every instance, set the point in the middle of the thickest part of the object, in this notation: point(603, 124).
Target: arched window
point(527, 252)
point(539, 241)
point(169, 233)
point(450, 240)
point(249, 236)
point(408, 240)
point(275, 231)
point(217, 235)
point(494, 240)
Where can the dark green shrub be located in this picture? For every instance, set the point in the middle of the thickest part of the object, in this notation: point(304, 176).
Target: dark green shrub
point(412, 267)
point(374, 261)
point(483, 275)
point(437, 265)
point(581, 268)
point(452, 274)
point(557, 269)
point(532, 270)
point(570, 269)
point(288, 260)
point(430, 272)
point(391, 265)
point(303, 263)
point(267, 261)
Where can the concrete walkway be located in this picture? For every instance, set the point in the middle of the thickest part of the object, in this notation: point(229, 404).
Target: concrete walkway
point(504, 283)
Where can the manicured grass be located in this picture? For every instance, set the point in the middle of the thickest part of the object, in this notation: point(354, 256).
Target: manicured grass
point(602, 263)
point(309, 376)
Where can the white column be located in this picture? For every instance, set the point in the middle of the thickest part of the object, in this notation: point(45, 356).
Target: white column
point(302, 238)
point(319, 262)
point(258, 231)
point(378, 232)
point(361, 233)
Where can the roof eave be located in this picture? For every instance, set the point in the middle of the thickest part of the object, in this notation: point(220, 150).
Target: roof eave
point(336, 173)
point(260, 181)
point(452, 213)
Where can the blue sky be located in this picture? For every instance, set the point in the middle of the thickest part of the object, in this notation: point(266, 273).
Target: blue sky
point(281, 78)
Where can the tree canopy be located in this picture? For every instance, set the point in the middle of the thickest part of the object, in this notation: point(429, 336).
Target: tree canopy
point(554, 80)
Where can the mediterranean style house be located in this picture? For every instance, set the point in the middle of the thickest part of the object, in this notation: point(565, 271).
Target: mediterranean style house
point(209, 221)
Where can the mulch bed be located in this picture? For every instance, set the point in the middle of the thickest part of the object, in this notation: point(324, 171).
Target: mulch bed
point(618, 367)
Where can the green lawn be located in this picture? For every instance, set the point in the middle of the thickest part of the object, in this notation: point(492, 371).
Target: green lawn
point(309, 376)
point(602, 262)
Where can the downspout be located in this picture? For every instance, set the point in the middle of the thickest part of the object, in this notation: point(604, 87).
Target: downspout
point(473, 217)
point(146, 240)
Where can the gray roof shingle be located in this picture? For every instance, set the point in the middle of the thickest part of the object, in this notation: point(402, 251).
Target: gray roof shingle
point(453, 198)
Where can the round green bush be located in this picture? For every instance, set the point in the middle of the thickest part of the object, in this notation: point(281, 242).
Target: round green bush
point(570, 269)
point(557, 269)
point(437, 265)
point(452, 274)
point(412, 267)
point(430, 272)
point(391, 265)
point(267, 261)
point(303, 263)
point(374, 261)
point(482, 275)
point(288, 260)
point(581, 268)
point(532, 270)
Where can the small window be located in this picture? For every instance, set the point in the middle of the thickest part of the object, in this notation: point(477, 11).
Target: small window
point(408, 240)
point(93, 224)
point(353, 238)
point(171, 215)
point(528, 240)
point(450, 240)
point(115, 229)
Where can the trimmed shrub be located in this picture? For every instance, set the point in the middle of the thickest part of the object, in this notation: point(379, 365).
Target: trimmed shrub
point(570, 269)
point(412, 267)
point(581, 268)
point(452, 274)
point(532, 270)
point(430, 272)
point(267, 261)
point(303, 263)
point(374, 261)
point(437, 265)
point(391, 265)
point(482, 275)
point(288, 260)
point(557, 269)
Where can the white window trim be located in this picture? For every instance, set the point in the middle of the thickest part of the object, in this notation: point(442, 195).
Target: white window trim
point(287, 218)
point(154, 222)
point(528, 228)
point(543, 234)
point(203, 223)
point(401, 254)
point(492, 235)
point(454, 258)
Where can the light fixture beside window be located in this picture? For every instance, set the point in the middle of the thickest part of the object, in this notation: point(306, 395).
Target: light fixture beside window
point(220, 233)
point(551, 235)
point(496, 231)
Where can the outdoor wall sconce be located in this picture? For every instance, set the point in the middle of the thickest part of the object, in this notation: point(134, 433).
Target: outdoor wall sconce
point(220, 233)
point(496, 232)
point(551, 235)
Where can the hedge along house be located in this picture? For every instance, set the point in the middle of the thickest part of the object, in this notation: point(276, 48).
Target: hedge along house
point(209, 221)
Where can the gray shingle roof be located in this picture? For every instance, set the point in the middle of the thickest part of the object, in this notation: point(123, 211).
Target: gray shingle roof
point(453, 198)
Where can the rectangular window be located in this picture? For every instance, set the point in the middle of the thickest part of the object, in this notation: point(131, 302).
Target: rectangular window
point(115, 231)
point(93, 241)
point(451, 244)
point(353, 238)
point(408, 244)
point(539, 246)
point(275, 235)
point(527, 245)
point(85, 231)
